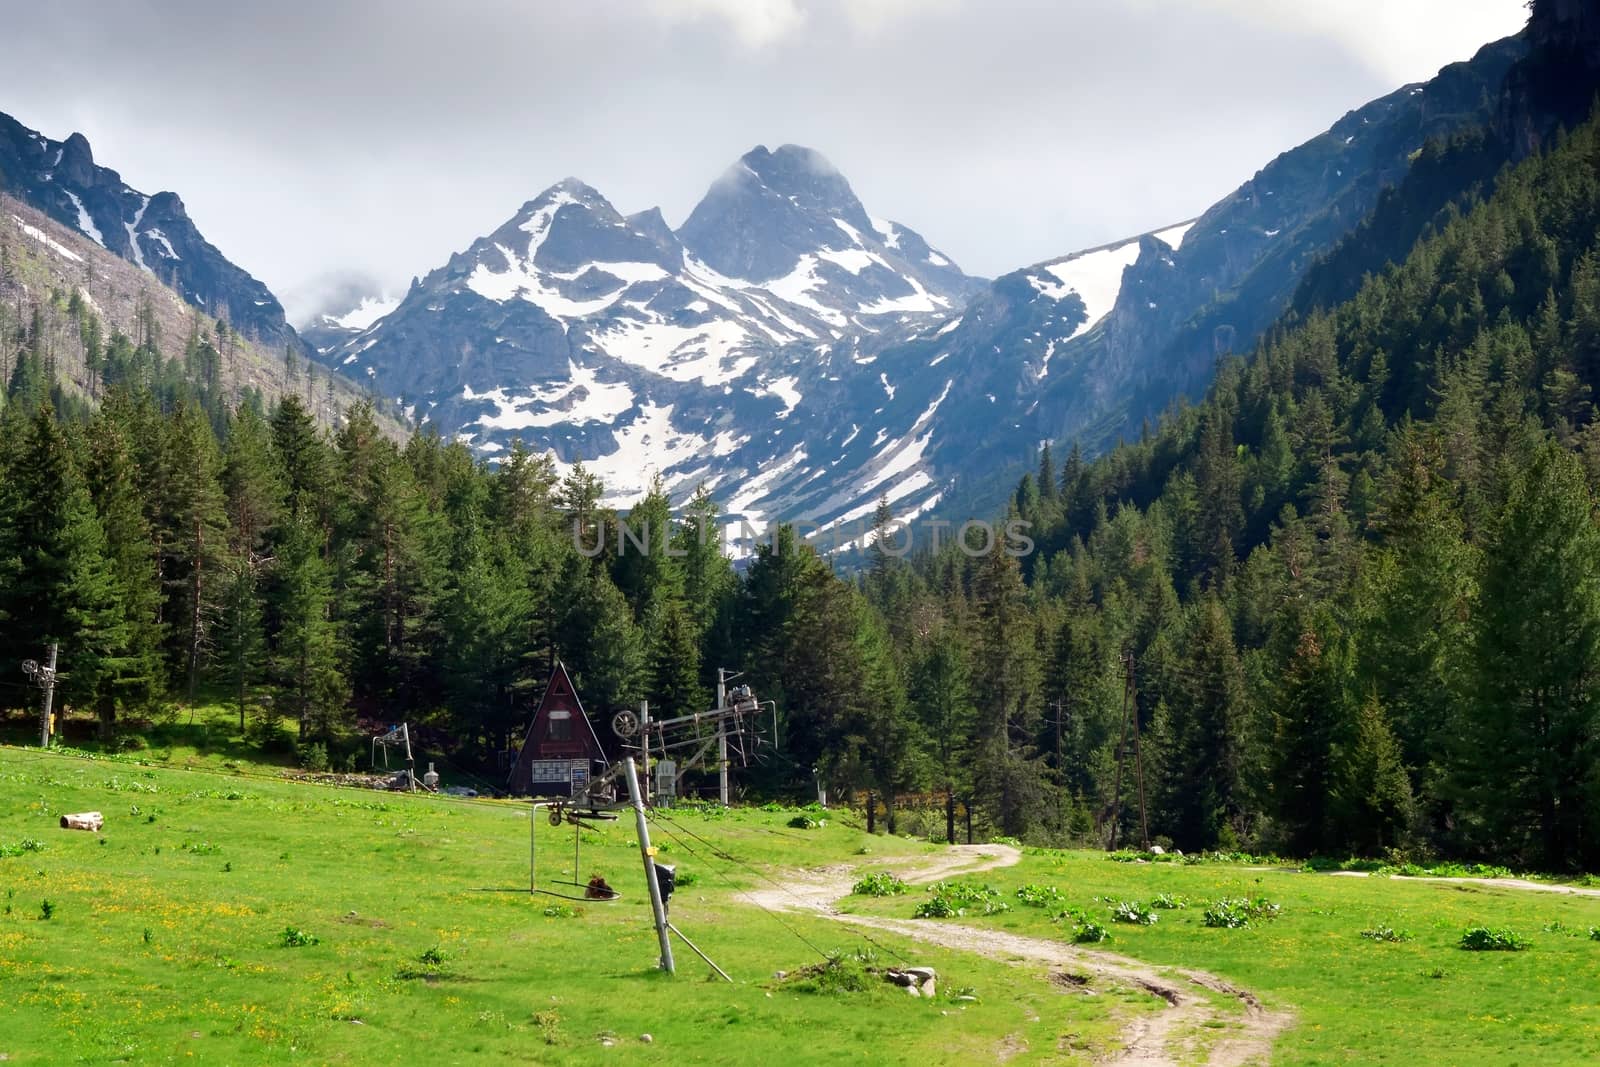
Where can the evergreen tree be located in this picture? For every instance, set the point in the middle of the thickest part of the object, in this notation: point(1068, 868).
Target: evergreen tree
point(1201, 743)
point(1373, 791)
point(307, 659)
point(130, 552)
point(941, 694)
point(254, 494)
point(1527, 753)
point(192, 538)
point(56, 584)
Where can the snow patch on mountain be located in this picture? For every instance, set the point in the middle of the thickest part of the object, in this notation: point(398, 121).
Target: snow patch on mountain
point(364, 314)
point(85, 222)
point(45, 239)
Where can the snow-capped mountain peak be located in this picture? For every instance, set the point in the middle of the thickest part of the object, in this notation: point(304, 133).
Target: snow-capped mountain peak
point(613, 339)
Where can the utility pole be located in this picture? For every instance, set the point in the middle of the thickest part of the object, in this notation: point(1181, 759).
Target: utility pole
point(722, 736)
point(46, 678)
point(657, 908)
point(644, 746)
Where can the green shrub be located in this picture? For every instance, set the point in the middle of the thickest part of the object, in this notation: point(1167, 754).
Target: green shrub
point(1090, 933)
point(841, 972)
point(882, 884)
point(1237, 913)
point(47, 909)
point(294, 937)
point(806, 822)
point(27, 844)
point(1492, 939)
point(433, 957)
point(314, 756)
point(1169, 901)
point(949, 899)
point(1133, 912)
point(1594, 933)
point(1386, 933)
point(936, 908)
point(1039, 896)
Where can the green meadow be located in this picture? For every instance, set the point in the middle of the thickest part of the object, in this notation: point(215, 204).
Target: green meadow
point(1421, 1000)
point(228, 915)
point(166, 938)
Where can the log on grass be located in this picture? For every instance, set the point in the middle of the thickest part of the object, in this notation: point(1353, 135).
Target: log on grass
point(86, 820)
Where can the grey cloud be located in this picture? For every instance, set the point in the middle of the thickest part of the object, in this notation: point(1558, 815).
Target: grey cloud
point(312, 140)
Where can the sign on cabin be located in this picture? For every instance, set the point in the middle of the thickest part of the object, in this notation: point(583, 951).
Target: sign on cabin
point(560, 747)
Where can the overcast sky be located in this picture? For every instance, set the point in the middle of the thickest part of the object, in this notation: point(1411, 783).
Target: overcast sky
point(316, 140)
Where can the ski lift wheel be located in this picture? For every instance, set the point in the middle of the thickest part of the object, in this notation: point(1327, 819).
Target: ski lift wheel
point(625, 723)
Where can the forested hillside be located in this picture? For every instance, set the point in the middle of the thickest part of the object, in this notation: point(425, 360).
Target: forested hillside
point(1361, 581)
point(77, 319)
point(1354, 595)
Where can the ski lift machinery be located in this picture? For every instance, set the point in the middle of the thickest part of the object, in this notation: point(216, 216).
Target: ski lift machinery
point(733, 729)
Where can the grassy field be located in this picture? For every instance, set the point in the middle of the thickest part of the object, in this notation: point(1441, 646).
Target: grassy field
point(1419, 1001)
point(163, 939)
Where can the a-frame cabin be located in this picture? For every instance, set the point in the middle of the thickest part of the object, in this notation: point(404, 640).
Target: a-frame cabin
point(561, 747)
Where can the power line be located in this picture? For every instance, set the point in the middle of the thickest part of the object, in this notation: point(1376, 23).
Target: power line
point(722, 854)
point(821, 953)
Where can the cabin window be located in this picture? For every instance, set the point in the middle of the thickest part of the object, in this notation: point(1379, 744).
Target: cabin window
point(560, 726)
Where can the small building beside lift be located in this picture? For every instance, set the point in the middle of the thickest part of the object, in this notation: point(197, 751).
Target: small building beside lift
point(561, 748)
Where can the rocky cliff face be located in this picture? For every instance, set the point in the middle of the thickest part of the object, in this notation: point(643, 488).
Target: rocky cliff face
point(153, 232)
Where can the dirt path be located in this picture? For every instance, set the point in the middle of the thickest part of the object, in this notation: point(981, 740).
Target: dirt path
point(1501, 883)
point(1169, 1036)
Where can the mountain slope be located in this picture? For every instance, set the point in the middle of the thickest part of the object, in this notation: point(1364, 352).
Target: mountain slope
point(1182, 303)
point(94, 318)
point(613, 340)
point(61, 180)
point(803, 358)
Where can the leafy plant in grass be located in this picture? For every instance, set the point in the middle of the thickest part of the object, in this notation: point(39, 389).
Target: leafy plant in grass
point(433, 957)
point(27, 844)
point(294, 937)
point(549, 1026)
point(882, 884)
point(1594, 933)
point(1039, 896)
point(560, 911)
point(1237, 913)
point(47, 908)
point(1134, 913)
point(936, 908)
point(1386, 933)
point(840, 972)
point(1090, 933)
point(806, 822)
point(950, 899)
point(1493, 939)
point(1169, 901)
